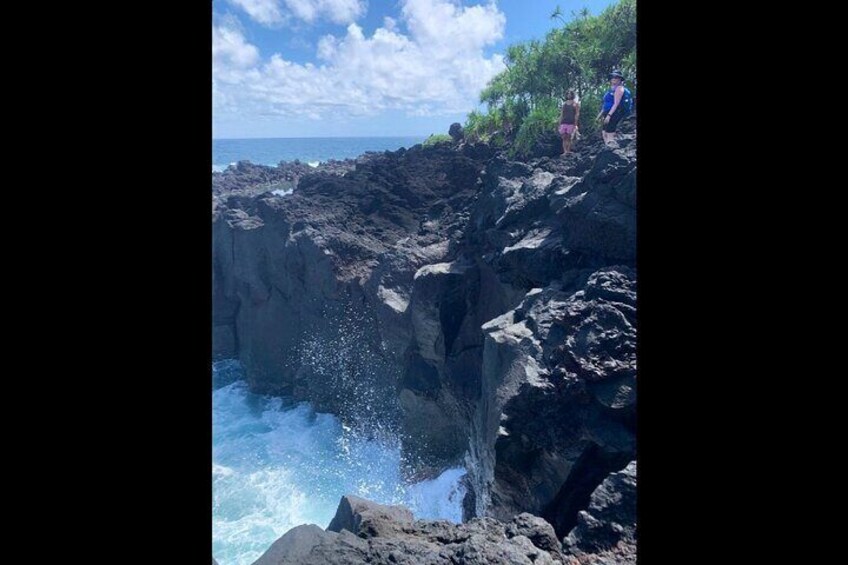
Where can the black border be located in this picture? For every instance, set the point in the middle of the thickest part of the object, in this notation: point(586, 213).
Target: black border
point(157, 347)
point(158, 364)
point(688, 286)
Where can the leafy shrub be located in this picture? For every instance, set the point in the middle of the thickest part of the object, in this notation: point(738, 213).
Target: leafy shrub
point(437, 138)
point(542, 121)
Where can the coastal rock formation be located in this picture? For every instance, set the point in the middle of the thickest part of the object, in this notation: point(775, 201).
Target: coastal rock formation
point(368, 519)
point(611, 515)
point(248, 179)
point(606, 532)
point(482, 308)
point(559, 383)
point(312, 290)
point(366, 532)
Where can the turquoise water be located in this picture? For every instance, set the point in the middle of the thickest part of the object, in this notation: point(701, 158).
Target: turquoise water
point(307, 149)
point(277, 464)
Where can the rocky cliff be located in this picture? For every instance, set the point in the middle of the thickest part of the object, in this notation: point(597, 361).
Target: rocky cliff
point(484, 309)
point(366, 532)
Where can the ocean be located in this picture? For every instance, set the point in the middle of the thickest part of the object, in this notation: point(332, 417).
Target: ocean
point(277, 463)
point(307, 149)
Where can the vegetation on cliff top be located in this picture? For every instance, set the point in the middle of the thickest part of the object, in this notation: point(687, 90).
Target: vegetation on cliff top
point(436, 138)
point(523, 101)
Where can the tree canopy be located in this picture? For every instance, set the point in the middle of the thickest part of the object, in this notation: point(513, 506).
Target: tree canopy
point(524, 100)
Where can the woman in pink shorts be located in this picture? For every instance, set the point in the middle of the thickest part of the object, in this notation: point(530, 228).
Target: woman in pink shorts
point(568, 120)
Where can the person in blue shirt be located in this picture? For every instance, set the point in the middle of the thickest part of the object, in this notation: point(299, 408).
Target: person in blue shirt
point(612, 110)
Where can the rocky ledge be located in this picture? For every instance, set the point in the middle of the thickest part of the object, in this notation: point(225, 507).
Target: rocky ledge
point(366, 532)
point(248, 179)
point(481, 308)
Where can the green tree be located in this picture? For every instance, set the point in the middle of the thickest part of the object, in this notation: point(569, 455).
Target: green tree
point(524, 99)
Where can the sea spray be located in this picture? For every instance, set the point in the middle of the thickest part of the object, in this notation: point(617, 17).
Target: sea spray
point(345, 365)
point(277, 464)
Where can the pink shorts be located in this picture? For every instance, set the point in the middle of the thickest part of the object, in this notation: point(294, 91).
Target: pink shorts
point(566, 129)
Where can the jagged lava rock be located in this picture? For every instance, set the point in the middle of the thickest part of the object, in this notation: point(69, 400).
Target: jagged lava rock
point(483, 307)
point(388, 535)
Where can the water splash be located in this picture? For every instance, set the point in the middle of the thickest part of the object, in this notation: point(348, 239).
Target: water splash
point(350, 368)
point(277, 464)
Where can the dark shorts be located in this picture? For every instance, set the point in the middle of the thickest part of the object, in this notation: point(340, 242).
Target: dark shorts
point(613, 123)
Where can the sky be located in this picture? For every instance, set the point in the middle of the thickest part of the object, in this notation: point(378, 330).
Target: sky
point(350, 68)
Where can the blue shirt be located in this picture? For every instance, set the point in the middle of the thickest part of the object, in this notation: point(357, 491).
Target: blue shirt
point(609, 99)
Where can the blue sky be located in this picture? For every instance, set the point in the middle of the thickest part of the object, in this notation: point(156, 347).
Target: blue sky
point(341, 68)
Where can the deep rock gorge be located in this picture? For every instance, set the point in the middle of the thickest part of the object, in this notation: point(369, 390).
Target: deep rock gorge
point(482, 308)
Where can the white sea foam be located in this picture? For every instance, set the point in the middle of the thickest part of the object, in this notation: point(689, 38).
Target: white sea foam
point(222, 168)
point(313, 164)
point(278, 464)
point(282, 191)
point(438, 498)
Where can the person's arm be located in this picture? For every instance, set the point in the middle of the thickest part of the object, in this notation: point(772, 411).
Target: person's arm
point(619, 92)
point(562, 114)
point(576, 113)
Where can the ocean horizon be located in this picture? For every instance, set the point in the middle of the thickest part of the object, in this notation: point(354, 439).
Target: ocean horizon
point(271, 151)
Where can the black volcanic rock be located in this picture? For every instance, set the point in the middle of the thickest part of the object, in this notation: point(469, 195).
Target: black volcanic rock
point(599, 211)
point(248, 179)
point(560, 377)
point(606, 531)
point(367, 532)
point(548, 144)
point(384, 535)
point(537, 530)
point(482, 308)
point(314, 287)
point(296, 545)
point(456, 131)
point(368, 519)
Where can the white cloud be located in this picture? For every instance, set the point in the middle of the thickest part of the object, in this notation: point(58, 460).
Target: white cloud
point(230, 50)
point(451, 28)
point(437, 68)
point(338, 11)
point(265, 12)
point(273, 12)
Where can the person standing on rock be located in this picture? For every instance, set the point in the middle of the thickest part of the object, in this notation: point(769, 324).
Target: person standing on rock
point(614, 106)
point(568, 120)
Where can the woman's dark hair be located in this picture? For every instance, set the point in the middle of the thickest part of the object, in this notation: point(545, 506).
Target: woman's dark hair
point(569, 94)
